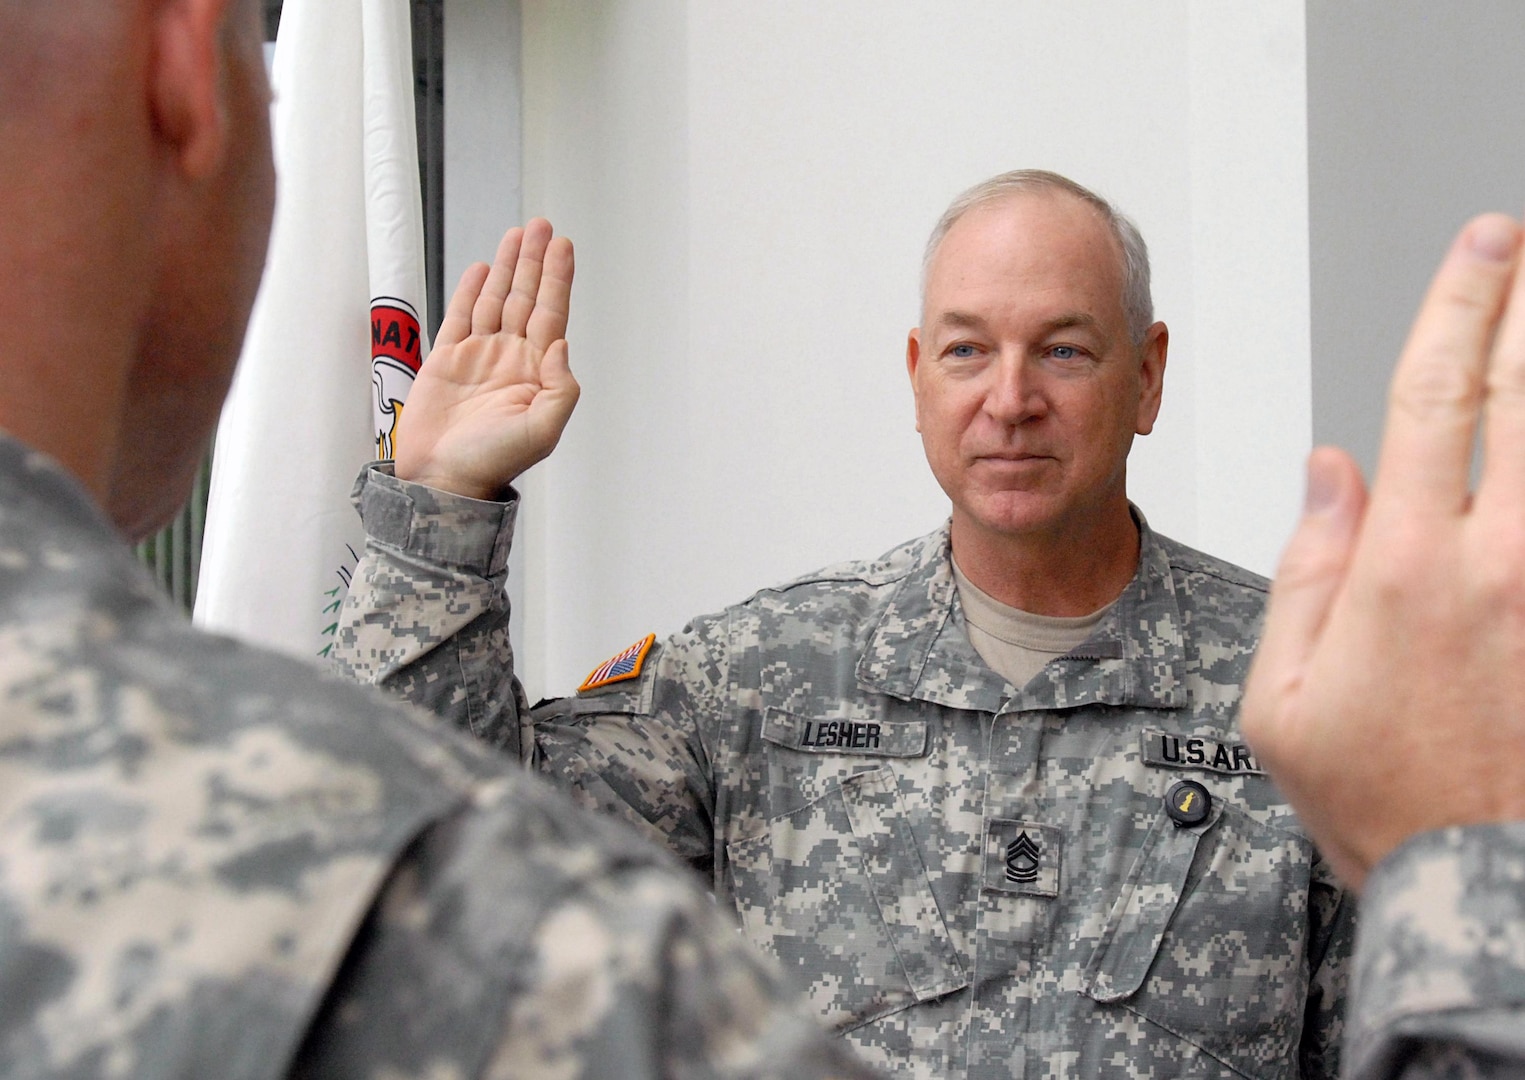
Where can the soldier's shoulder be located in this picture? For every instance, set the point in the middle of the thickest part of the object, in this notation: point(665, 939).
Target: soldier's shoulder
point(244, 789)
point(566, 846)
point(230, 685)
point(586, 943)
point(588, 888)
point(855, 577)
point(1203, 572)
point(827, 607)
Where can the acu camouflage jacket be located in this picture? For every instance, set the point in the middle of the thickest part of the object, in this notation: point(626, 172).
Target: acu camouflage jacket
point(1439, 988)
point(215, 862)
point(968, 878)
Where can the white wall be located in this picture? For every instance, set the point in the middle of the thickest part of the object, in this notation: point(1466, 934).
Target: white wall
point(484, 140)
point(483, 130)
point(1415, 114)
point(749, 186)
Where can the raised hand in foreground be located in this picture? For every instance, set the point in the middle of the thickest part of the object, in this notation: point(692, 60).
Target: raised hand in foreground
point(1388, 696)
point(496, 392)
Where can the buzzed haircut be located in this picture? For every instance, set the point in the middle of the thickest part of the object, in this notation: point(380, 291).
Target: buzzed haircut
point(1138, 303)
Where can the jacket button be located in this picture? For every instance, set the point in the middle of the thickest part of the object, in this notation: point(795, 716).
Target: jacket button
point(1188, 803)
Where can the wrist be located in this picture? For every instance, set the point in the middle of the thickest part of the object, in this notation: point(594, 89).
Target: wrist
point(450, 481)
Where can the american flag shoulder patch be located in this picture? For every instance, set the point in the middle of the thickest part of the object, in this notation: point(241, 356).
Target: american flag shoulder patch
point(625, 664)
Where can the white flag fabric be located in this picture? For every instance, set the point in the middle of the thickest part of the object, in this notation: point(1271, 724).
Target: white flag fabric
point(337, 332)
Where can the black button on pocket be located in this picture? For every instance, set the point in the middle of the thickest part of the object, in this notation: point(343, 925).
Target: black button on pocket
point(1188, 803)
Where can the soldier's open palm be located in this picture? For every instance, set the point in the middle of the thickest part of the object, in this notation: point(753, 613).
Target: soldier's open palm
point(496, 391)
point(1386, 695)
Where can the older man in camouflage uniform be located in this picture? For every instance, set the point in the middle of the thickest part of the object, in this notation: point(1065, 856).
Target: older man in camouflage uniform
point(985, 797)
point(213, 862)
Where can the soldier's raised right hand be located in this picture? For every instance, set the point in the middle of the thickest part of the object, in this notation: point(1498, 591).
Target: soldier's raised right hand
point(1386, 697)
point(496, 391)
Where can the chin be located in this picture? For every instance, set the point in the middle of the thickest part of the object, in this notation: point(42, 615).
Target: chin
point(1011, 513)
point(147, 500)
point(139, 523)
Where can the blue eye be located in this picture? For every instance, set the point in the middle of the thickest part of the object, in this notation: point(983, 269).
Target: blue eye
point(963, 352)
point(1064, 352)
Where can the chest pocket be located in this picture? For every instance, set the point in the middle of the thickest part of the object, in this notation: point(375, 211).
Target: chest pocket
point(1208, 937)
point(837, 890)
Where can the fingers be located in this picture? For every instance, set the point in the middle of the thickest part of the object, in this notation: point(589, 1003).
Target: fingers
point(1437, 390)
point(456, 324)
point(526, 285)
point(1503, 476)
point(527, 291)
point(548, 321)
point(487, 313)
point(1312, 569)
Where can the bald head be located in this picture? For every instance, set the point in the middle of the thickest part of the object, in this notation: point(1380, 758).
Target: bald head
point(132, 233)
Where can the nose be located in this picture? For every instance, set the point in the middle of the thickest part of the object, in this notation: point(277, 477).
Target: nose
point(1015, 394)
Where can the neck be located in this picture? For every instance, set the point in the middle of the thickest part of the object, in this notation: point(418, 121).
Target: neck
point(75, 268)
point(63, 385)
point(1065, 572)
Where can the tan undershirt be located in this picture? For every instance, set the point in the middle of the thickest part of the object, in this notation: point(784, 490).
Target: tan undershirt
point(1016, 643)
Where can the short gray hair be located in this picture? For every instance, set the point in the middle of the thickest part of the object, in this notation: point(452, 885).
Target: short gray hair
point(1138, 304)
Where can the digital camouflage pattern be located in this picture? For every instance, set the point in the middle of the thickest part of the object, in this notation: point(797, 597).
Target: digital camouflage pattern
point(215, 862)
point(967, 878)
point(1440, 978)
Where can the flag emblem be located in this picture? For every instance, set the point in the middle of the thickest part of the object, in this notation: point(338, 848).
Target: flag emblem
point(396, 356)
point(625, 664)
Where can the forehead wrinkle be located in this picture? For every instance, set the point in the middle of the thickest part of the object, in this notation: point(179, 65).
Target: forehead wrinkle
point(962, 319)
point(1071, 320)
point(967, 320)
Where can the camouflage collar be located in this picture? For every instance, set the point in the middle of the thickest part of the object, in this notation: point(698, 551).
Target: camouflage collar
point(920, 651)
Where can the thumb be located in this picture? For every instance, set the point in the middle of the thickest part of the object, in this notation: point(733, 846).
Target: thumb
point(556, 378)
point(557, 397)
point(1312, 569)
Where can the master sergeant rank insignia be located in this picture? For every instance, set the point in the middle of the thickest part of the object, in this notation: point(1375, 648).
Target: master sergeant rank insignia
point(1022, 858)
point(625, 664)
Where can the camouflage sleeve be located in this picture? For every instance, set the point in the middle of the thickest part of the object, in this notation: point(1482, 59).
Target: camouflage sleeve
point(1440, 960)
point(1332, 915)
point(525, 941)
point(641, 749)
point(426, 617)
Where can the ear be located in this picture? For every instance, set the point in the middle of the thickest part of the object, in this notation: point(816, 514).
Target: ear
point(1151, 376)
point(186, 82)
point(912, 358)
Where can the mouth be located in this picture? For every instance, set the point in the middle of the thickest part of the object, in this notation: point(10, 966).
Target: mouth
point(1011, 457)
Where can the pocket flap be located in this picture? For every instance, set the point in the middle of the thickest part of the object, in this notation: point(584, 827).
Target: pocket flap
point(838, 892)
point(899, 881)
point(1143, 910)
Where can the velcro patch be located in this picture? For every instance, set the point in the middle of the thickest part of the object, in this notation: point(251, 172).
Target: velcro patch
point(1022, 857)
point(838, 735)
point(625, 664)
point(1164, 750)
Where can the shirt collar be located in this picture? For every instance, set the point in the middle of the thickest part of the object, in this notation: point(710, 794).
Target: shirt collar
point(920, 649)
